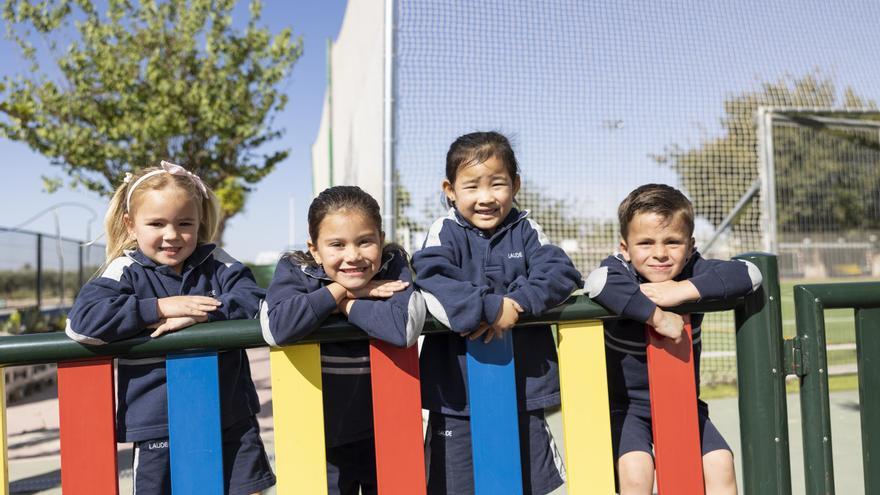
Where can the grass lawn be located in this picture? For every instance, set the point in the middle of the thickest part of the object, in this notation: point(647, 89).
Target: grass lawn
point(835, 384)
point(718, 363)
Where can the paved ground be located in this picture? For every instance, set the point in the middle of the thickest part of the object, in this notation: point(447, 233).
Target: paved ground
point(34, 460)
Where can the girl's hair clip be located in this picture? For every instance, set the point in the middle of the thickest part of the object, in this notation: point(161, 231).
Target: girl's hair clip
point(127, 178)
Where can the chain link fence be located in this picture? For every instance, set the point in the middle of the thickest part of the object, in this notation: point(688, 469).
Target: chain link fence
point(600, 97)
point(764, 114)
point(42, 273)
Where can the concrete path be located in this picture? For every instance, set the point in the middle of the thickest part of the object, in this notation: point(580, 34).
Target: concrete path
point(34, 462)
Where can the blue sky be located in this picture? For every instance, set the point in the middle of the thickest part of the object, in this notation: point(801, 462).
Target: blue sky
point(588, 92)
point(554, 76)
point(263, 226)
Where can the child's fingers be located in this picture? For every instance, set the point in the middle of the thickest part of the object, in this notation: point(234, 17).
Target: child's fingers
point(175, 324)
point(494, 332)
point(516, 305)
point(204, 307)
point(479, 331)
point(162, 329)
point(395, 286)
point(380, 292)
point(390, 283)
point(204, 300)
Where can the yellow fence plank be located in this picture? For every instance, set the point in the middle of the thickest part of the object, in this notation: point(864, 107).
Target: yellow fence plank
point(4, 465)
point(585, 414)
point(298, 412)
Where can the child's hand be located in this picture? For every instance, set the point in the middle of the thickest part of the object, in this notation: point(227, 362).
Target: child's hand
point(507, 318)
point(670, 293)
point(168, 325)
point(380, 289)
point(344, 306)
point(667, 324)
point(178, 306)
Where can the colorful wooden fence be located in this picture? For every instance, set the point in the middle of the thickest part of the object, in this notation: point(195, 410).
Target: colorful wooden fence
point(677, 453)
point(88, 449)
point(86, 403)
point(588, 462)
point(196, 444)
point(86, 418)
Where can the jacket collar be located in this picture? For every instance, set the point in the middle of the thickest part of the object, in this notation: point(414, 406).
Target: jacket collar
point(198, 256)
point(512, 218)
point(317, 271)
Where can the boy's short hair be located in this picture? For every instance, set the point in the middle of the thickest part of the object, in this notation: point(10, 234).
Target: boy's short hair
point(661, 199)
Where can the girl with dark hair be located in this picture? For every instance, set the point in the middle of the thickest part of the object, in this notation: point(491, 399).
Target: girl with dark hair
point(345, 270)
point(483, 265)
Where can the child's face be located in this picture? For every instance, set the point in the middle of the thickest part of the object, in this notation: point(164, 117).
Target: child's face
point(165, 224)
point(658, 247)
point(349, 246)
point(483, 193)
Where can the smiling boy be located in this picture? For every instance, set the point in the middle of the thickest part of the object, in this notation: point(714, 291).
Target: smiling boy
point(658, 266)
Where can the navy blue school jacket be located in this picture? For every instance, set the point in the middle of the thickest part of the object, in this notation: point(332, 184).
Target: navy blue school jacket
point(297, 304)
point(464, 274)
point(123, 301)
point(615, 285)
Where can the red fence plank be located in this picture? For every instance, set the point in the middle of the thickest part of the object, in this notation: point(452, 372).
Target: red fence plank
point(677, 453)
point(397, 419)
point(88, 439)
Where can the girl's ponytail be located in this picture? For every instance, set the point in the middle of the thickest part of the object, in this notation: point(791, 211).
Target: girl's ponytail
point(114, 226)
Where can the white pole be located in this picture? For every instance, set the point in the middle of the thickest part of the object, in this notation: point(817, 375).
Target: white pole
point(389, 201)
point(768, 190)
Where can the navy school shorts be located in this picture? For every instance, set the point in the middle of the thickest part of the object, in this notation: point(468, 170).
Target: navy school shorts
point(631, 432)
point(351, 468)
point(449, 463)
point(246, 467)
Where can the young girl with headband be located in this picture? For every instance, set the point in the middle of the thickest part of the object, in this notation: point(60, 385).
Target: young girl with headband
point(162, 274)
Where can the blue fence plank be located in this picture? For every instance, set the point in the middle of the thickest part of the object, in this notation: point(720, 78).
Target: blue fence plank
point(494, 418)
point(194, 423)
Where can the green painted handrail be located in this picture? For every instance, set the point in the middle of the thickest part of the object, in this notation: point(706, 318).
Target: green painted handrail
point(238, 334)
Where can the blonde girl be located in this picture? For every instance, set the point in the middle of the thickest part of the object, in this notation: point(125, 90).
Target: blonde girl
point(163, 274)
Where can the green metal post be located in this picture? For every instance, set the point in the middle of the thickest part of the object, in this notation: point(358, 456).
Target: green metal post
point(762, 407)
point(868, 357)
point(815, 407)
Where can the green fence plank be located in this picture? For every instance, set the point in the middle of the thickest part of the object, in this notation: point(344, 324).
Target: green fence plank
point(846, 295)
point(760, 371)
point(868, 356)
point(815, 408)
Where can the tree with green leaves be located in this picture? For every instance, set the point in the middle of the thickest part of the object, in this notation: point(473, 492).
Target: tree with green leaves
point(144, 81)
point(815, 164)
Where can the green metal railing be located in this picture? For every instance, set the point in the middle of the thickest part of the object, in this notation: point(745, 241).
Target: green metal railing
point(764, 359)
point(243, 334)
point(809, 362)
point(761, 381)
